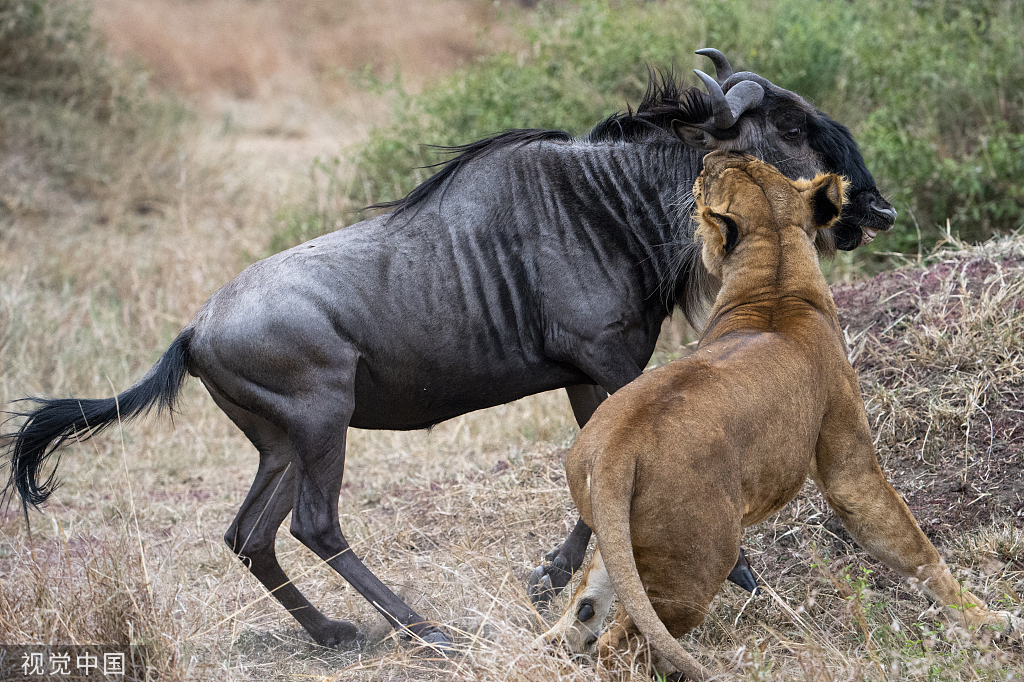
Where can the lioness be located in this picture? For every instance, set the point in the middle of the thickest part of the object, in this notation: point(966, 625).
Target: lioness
point(671, 468)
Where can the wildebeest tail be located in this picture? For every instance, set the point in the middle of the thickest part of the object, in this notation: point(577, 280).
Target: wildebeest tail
point(57, 420)
point(611, 495)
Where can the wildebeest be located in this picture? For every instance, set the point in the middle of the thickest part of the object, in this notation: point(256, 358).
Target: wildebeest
point(531, 261)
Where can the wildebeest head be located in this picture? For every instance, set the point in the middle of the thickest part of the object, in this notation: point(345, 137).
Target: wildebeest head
point(744, 112)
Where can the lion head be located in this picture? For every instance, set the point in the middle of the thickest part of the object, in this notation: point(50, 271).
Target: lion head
point(743, 203)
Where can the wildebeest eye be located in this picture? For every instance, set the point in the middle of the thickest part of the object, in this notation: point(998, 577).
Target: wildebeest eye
point(792, 134)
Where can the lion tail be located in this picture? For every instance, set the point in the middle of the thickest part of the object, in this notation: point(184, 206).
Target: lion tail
point(611, 493)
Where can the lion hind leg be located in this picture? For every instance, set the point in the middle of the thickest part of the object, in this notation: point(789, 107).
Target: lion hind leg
point(880, 521)
point(579, 626)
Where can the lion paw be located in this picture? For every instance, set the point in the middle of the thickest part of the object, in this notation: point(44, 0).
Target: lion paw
point(1013, 625)
point(1003, 623)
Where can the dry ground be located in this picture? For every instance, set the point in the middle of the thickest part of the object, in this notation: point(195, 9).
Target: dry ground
point(129, 549)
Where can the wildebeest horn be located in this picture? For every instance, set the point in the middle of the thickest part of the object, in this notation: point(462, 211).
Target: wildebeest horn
point(742, 76)
point(727, 109)
point(722, 67)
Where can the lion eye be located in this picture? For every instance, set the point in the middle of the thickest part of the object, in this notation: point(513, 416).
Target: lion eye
point(791, 134)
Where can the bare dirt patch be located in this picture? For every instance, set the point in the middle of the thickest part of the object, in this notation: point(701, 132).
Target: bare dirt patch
point(258, 49)
point(280, 82)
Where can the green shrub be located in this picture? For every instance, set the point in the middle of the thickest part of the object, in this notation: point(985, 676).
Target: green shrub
point(579, 67)
point(933, 91)
point(942, 120)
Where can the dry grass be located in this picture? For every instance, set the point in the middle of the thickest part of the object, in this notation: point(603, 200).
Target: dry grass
point(289, 77)
point(940, 351)
point(250, 50)
point(130, 548)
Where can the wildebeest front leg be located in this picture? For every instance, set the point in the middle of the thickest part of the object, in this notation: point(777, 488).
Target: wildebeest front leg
point(319, 441)
point(548, 580)
point(585, 399)
point(253, 532)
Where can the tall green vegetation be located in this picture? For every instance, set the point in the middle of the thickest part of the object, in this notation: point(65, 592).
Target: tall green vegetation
point(88, 124)
point(933, 91)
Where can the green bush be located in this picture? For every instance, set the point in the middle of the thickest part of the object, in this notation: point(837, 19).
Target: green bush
point(578, 68)
point(941, 95)
point(933, 91)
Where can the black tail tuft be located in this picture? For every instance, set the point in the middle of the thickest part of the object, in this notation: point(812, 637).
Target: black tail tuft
point(57, 420)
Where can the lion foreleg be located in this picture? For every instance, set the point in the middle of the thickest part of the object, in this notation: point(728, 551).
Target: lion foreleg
point(882, 524)
point(578, 627)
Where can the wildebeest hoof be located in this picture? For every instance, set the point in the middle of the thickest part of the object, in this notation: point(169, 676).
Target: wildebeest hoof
point(438, 642)
point(539, 587)
point(547, 581)
point(742, 575)
point(339, 634)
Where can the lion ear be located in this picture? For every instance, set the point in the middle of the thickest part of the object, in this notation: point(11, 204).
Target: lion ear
point(824, 195)
point(728, 232)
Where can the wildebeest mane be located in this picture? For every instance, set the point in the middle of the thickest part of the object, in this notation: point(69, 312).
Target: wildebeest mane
point(834, 142)
point(466, 153)
point(663, 102)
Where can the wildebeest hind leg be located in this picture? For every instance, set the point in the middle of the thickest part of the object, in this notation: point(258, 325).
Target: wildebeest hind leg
point(253, 532)
point(548, 580)
point(319, 441)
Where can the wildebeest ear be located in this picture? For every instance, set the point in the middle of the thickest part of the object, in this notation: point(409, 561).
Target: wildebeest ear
point(692, 135)
point(824, 196)
point(728, 230)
